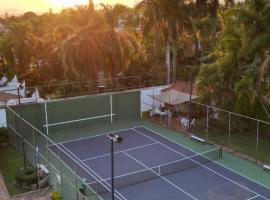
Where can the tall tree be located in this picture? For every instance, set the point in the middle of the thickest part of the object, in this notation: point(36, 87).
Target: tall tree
point(17, 46)
point(242, 58)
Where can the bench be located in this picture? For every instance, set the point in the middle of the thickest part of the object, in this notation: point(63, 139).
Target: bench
point(266, 167)
point(197, 138)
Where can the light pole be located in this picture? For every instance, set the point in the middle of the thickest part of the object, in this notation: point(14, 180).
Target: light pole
point(20, 86)
point(114, 139)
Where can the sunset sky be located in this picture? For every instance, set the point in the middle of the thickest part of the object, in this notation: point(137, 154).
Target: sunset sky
point(12, 6)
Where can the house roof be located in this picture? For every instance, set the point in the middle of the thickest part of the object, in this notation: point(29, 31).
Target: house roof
point(181, 86)
point(173, 97)
point(4, 97)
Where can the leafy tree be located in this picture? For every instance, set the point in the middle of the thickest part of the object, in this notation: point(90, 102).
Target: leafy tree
point(242, 62)
point(17, 46)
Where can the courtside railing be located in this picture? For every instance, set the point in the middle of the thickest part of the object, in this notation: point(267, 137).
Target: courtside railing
point(66, 175)
point(237, 132)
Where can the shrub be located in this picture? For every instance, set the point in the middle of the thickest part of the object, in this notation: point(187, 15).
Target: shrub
point(56, 196)
point(3, 135)
point(26, 176)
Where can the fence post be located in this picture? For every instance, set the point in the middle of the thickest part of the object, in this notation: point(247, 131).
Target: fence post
point(207, 121)
point(111, 108)
point(46, 117)
point(257, 138)
point(229, 132)
point(153, 106)
point(76, 182)
point(60, 169)
point(117, 83)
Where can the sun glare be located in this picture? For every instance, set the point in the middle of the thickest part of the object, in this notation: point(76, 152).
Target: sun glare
point(67, 3)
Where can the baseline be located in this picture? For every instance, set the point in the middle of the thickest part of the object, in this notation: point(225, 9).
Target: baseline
point(204, 166)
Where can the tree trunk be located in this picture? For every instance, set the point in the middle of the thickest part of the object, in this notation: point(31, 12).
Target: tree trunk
point(263, 68)
point(174, 59)
point(168, 61)
point(156, 36)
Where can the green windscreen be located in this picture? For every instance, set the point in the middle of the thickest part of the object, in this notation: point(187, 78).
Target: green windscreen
point(89, 110)
point(33, 113)
point(127, 105)
point(80, 108)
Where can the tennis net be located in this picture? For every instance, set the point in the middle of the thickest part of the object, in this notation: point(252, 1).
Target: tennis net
point(158, 171)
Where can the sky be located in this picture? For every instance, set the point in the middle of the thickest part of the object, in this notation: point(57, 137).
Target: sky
point(15, 6)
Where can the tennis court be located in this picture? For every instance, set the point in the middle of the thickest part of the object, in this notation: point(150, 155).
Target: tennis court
point(150, 166)
point(152, 162)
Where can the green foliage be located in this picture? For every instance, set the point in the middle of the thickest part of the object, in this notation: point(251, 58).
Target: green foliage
point(26, 176)
point(3, 135)
point(10, 161)
point(56, 196)
point(238, 73)
point(150, 74)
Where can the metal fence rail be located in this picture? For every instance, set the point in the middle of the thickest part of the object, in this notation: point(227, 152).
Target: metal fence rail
point(65, 173)
point(237, 132)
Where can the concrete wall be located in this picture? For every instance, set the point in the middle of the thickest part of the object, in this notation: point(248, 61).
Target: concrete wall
point(3, 120)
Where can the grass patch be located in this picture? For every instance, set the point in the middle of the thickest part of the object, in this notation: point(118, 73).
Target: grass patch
point(10, 162)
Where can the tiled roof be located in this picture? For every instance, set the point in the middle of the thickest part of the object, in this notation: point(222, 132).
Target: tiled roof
point(4, 97)
point(181, 86)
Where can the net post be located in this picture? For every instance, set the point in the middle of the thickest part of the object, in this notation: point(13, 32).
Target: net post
point(46, 118)
point(111, 108)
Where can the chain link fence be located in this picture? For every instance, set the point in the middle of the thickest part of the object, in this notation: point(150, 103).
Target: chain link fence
point(66, 175)
point(238, 133)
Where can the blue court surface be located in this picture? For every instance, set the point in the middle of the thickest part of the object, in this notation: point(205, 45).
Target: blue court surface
point(149, 166)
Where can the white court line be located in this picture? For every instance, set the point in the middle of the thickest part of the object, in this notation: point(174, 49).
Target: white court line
point(93, 136)
point(178, 152)
point(199, 163)
point(213, 161)
point(77, 120)
point(154, 167)
point(121, 176)
point(72, 171)
point(117, 152)
point(197, 152)
point(161, 176)
point(253, 197)
point(95, 173)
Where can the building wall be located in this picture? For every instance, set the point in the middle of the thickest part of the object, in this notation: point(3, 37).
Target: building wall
point(147, 102)
point(3, 120)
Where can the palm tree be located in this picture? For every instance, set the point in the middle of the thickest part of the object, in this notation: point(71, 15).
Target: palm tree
point(118, 44)
point(17, 46)
point(113, 15)
point(156, 16)
point(242, 56)
point(174, 18)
